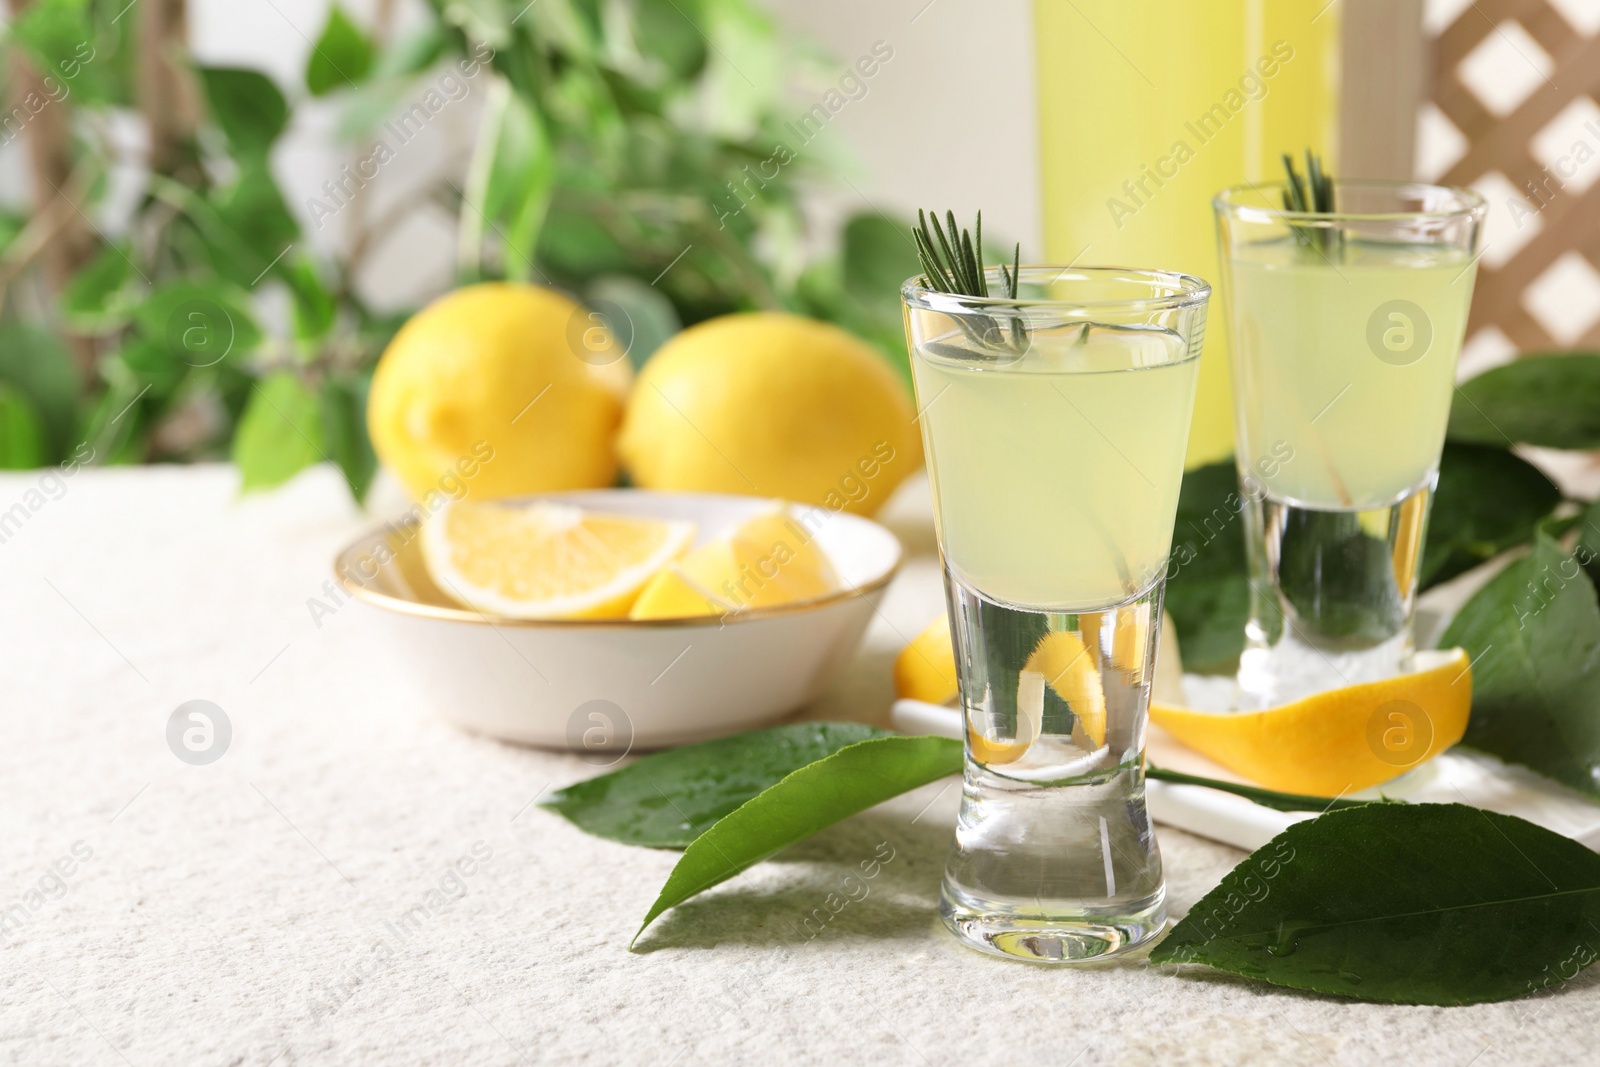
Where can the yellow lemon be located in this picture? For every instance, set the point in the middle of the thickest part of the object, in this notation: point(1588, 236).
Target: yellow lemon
point(547, 561)
point(771, 404)
point(769, 559)
point(926, 668)
point(501, 389)
point(1342, 740)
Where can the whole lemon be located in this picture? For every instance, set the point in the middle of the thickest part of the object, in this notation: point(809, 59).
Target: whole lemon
point(512, 387)
point(771, 404)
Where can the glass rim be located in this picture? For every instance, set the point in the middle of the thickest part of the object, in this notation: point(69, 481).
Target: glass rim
point(1470, 204)
point(1186, 290)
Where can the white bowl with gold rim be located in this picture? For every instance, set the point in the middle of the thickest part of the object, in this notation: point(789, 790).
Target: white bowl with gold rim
point(601, 686)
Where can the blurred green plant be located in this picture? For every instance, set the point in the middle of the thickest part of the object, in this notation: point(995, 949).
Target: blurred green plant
point(620, 155)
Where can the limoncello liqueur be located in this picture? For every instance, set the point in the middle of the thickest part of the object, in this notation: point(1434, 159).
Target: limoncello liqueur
point(1347, 357)
point(1057, 473)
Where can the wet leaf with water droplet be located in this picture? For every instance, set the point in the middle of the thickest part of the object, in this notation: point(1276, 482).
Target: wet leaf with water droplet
point(1404, 903)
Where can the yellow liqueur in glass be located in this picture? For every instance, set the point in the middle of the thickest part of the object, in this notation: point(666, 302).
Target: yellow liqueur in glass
point(1346, 324)
point(1054, 424)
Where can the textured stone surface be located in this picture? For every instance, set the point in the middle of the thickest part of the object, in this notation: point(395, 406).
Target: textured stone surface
point(254, 911)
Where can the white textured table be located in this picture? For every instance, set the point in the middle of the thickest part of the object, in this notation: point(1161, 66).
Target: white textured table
point(302, 900)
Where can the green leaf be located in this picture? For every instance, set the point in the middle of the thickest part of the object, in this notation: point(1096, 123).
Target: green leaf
point(252, 207)
point(1534, 637)
point(71, 57)
point(40, 367)
point(93, 299)
point(1208, 591)
point(342, 56)
point(344, 430)
point(878, 256)
point(1588, 549)
point(817, 795)
point(665, 31)
point(1488, 500)
point(153, 364)
point(1547, 400)
point(413, 52)
point(1402, 903)
point(247, 106)
point(1338, 577)
point(279, 435)
point(315, 307)
point(515, 179)
point(667, 799)
point(22, 440)
point(199, 323)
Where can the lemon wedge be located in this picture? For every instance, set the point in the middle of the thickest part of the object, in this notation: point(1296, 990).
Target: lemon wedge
point(547, 560)
point(1341, 740)
point(768, 560)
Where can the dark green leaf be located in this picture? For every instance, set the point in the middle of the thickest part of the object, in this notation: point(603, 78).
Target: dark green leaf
point(253, 208)
point(314, 306)
point(22, 440)
point(279, 435)
point(153, 364)
point(199, 323)
point(1534, 637)
point(40, 367)
point(1402, 903)
point(94, 300)
point(247, 106)
point(1488, 500)
point(344, 432)
point(341, 57)
point(1547, 400)
point(1588, 551)
point(815, 796)
point(1208, 591)
point(664, 31)
point(667, 799)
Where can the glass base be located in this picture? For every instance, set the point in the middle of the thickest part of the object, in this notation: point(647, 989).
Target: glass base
point(1018, 935)
point(1333, 591)
point(1054, 858)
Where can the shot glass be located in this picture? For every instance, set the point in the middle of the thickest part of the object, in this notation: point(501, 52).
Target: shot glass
point(1055, 426)
point(1346, 328)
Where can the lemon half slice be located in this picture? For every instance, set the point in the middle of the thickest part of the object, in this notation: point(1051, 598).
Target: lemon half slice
point(547, 560)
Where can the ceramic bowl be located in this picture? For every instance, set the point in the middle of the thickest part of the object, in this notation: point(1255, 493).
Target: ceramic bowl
point(601, 686)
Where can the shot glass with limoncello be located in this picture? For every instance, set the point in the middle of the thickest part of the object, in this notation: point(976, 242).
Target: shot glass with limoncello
point(1055, 423)
point(1346, 322)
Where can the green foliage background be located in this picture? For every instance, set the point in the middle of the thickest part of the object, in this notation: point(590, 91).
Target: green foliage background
point(617, 139)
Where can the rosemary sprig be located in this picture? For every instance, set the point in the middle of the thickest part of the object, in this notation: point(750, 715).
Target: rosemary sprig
point(953, 263)
point(1311, 195)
